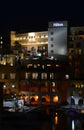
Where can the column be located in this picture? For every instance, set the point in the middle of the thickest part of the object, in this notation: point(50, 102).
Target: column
point(51, 98)
point(40, 99)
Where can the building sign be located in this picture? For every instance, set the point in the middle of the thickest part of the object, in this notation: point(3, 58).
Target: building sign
point(58, 24)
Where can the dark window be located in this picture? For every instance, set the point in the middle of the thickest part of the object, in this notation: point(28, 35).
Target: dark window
point(52, 51)
point(51, 38)
point(51, 45)
point(78, 45)
point(71, 45)
point(51, 33)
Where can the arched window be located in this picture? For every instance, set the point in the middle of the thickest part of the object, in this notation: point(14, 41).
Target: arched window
point(72, 101)
point(80, 102)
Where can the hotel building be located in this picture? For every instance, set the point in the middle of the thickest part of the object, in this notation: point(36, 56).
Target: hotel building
point(51, 69)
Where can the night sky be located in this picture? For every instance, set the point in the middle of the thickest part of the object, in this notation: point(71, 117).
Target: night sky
point(34, 15)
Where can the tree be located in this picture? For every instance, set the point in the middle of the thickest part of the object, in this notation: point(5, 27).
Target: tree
point(17, 48)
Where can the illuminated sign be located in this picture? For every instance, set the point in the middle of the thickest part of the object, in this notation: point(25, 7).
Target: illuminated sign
point(58, 24)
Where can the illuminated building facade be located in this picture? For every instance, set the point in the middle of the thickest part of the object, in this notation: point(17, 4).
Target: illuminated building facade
point(76, 59)
point(36, 40)
point(44, 79)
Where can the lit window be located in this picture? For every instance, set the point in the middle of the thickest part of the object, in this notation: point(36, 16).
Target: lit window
point(35, 66)
point(55, 99)
point(13, 86)
point(66, 76)
point(78, 51)
point(29, 65)
point(82, 85)
point(44, 76)
point(34, 75)
point(38, 65)
point(57, 65)
point(48, 64)
point(0, 37)
point(71, 50)
point(24, 38)
point(27, 75)
point(4, 86)
point(44, 47)
point(42, 36)
point(20, 38)
point(1, 42)
point(46, 36)
point(4, 76)
point(43, 66)
point(32, 36)
point(53, 89)
point(12, 75)
point(53, 84)
point(70, 57)
point(51, 75)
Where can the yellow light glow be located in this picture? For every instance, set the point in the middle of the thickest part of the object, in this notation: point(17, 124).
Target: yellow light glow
point(36, 97)
point(32, 36)
point(55, 99)
point(56, 120)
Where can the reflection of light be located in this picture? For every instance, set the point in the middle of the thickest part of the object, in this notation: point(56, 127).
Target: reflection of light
point(56, 113)
point(56, 119)
point(73, 125)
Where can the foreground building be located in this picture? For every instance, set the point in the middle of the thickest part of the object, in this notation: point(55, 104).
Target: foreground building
point(51, 71)
point(41, 79)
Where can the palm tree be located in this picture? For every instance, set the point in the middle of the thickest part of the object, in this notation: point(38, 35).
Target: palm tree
point(17, 48)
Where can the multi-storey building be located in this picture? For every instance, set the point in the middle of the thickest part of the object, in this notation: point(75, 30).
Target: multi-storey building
point(36, 40)
point(48, 79)
point(76, 59)
point(42, 79)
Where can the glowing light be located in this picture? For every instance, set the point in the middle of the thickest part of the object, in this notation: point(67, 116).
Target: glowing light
point(73, 125)
point(13, 86)
point(58, 25)
point(55, 99)
point(66, 76)
point(32, 36)
point(4, 86)
point(56, 119)
point(36, 97)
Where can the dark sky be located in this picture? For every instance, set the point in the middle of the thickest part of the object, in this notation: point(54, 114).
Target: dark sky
point(33, 15)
